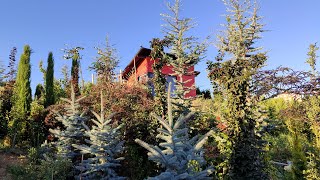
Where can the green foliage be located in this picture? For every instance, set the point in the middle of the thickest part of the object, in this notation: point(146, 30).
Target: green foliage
point(46, 170)
point(180, 156)
point(133, 105)
point(106, 62)
point(74, 55)
point(232, 79)
point(185, 52)
point(104, 145)
point(312, 57)
point(22, 97)
point(49, 83)
point(159, 80)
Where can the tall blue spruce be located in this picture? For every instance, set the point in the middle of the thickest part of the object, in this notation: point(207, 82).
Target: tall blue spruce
point(104, 145)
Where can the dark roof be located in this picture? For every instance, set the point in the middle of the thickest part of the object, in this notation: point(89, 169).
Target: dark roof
point(138, 58)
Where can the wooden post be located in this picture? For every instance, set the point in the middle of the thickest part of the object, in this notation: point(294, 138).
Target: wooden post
point(135, 69)
point(92, 78)
point(120, 77)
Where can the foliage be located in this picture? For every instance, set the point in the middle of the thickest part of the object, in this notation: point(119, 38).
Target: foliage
point(11, 75)
point(73, 129)
point(204, 93)
point(74, 55)
point(106, 62)
point(39, 91)
point(186, 52)
point(181, 157)
point(159, 81)
point(233, 80)
point(46, 170)
point(49, 83)
point(104, 144)
point(312, 57)
point(22, 97)
point(132, 105)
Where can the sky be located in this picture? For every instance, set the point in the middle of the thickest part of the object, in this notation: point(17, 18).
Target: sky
point(54, 25)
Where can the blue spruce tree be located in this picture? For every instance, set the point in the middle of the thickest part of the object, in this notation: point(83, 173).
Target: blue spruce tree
point(181, 156)
point(104, 144)
point(73, 132)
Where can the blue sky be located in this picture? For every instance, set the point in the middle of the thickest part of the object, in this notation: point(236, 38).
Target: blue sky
point(49, 25)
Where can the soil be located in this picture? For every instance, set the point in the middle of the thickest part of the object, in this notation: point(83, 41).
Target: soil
point(7, 159)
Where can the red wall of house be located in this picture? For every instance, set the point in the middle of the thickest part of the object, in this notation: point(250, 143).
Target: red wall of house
point(146, 66)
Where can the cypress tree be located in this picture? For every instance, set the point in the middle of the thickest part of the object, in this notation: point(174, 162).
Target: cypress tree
point(49, 81)
point(22, 97)
point(75, 56)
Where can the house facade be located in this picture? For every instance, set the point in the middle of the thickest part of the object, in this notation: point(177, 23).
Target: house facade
point(140, 70)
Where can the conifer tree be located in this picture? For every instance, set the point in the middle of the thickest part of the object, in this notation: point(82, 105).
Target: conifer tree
point(75, 56)
point(186, 52)
point(159, 81)
point(106, 62)
point(11, 75)
point(181, 157)
point(22, 97)
point(233, 79)
point(312, 58)
point(49, 100)
point(73, 131)
point(104, 145)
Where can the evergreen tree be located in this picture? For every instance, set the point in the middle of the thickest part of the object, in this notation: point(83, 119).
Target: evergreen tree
point(11, 75)
point(75, 56)
point(104, 144)
point(39, 91)
point(233, 79)
point(181, 157)
point(159, 81)
point(22, 97)
point(49, 100)
point(312, 58)
point(106, 62)
point(186, 51)
point(73, 131)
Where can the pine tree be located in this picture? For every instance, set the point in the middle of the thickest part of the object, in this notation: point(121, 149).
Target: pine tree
point(73, 131)
point(186, 51)
point(75, 56)
point(49, 100)
point(104, 145)
point(181, 157)
point(22, 97)
point(233, 79)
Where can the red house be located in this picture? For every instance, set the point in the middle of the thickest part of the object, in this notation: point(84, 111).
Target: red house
point(140, 70)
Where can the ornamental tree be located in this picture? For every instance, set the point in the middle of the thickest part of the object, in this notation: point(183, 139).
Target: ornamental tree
point(232, 76)
point(103, 146)
point(180, 156)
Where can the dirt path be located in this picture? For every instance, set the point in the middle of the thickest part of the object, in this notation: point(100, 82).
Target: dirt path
point(7, 159)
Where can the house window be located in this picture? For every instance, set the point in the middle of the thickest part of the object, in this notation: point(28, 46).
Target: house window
point(172, 80)
point(169, 79)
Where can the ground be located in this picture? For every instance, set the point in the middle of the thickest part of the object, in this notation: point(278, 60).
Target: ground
point(7, 159)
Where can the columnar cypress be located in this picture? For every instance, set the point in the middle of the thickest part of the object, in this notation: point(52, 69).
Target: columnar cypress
point(49, 81)
point(22, 97)
point(75, 56)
